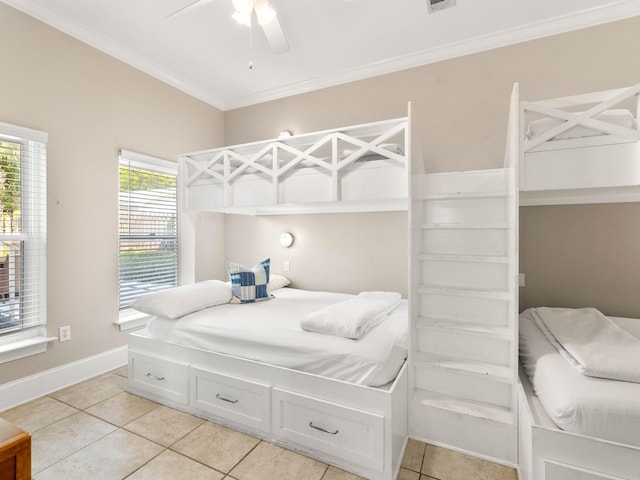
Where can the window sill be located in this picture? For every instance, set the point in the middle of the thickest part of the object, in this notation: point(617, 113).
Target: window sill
point(130, 319)
point(24, 344)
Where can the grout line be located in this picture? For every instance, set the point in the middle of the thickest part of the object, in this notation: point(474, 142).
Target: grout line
point(246, 455)
point(80, 449)
point(325, 472)
point(147, 462)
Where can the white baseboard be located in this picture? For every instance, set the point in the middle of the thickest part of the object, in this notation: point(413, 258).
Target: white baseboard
point(43, 383)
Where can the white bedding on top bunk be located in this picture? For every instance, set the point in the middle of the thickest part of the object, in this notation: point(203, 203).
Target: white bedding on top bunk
point(607, 409)
point(270, 332)
point(616, 116)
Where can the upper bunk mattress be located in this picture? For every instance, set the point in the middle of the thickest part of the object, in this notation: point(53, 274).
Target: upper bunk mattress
point(607, 409)
point(269, 332)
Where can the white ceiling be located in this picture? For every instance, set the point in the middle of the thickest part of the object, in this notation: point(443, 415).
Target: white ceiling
point(206, 54)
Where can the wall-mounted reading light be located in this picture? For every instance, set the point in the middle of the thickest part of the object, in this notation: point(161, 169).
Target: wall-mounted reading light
point(284, 134)
point(286, 239)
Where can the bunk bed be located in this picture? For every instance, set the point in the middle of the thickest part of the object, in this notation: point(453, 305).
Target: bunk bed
point(359, 426)
point(581, 148)
point(353, 169)
point(581, 152)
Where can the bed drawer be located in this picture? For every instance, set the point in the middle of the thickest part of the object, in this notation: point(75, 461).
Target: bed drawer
point(159, 377)
point(561, 471)
point(354, 435)
point(235, 399)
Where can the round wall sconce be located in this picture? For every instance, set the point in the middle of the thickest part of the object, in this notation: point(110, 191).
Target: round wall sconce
point(286, 239)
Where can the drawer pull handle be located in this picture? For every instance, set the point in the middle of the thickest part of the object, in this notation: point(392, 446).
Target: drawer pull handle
point(154, 377)
point(225, 399)
point(322, 429)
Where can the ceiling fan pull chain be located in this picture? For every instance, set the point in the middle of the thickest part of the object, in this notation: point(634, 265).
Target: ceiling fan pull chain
point(251, 41)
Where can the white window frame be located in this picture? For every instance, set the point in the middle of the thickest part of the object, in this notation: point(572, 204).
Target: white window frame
point(128, 318)
point(31, 340)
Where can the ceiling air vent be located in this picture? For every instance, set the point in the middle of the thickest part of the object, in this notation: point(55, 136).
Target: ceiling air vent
point(437, 5)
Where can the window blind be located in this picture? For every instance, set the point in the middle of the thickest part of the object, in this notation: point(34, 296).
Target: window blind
point(23, 226)
point(148, 230)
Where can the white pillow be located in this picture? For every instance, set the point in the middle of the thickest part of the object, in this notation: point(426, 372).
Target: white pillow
point(277, 281)
point(177, 302)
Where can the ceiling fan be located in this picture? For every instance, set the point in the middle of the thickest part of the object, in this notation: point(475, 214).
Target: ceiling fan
point(245, 9)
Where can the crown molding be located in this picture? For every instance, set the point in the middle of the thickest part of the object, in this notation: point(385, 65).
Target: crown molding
point(561, 24)
point(118, 51)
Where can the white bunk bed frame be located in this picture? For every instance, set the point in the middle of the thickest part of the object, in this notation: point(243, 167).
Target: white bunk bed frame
point(594, 169)
point(545, 451)
point(358, 428)
point(320, 172)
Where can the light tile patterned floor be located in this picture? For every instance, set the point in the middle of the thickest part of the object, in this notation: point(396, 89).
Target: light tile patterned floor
point(96, 430)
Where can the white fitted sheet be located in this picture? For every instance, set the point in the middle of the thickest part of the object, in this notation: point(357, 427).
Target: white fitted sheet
point(270, 332)
point(597, 407)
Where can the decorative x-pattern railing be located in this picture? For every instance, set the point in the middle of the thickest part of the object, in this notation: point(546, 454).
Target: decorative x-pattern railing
point(330, 152)
point(603, 101)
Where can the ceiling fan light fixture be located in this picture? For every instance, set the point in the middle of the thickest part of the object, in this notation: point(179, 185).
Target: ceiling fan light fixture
point(264, 11)
point(242, 17)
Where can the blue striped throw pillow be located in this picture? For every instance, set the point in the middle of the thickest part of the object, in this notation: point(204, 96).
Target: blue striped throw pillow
point(249, 284)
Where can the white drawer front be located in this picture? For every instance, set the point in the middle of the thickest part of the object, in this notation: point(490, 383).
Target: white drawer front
point(561, 471)
point(232, 398)
point(354, 435)
point(160, 377)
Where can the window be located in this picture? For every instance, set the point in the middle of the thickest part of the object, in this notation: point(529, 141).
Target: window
point(23, 229)
point(148, 231)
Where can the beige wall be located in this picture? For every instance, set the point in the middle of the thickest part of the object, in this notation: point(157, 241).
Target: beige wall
point(582, 255)
point(347, 252)
point(91, 105)
point(461, 105)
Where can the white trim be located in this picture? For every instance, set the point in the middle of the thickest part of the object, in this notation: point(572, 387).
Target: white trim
point(24, 344)
point(147, 162)
point(35, 386)
point(550, 26)
point(580, 196)
point(130, 319)
point(541, 29)
point(120, 52)
point(23, 133)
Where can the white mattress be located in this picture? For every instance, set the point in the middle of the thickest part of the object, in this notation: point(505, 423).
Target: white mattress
point(607, 409)
point(270, 332)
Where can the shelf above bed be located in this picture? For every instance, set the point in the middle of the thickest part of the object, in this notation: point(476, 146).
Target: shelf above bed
point(384, 205)
point(577, 196)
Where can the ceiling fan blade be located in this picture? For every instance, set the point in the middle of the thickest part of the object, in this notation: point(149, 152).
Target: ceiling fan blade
point(275, 36)
point(187, 8)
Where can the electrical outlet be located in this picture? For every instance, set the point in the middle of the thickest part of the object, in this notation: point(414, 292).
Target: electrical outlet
point(287, 266)
point(64, 333)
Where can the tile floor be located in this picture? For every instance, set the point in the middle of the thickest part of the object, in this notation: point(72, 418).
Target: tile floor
point(96, 430)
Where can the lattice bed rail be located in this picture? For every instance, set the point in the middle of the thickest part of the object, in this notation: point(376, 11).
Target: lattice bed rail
point(365, 163)
point(580, 149)
point(584, 111)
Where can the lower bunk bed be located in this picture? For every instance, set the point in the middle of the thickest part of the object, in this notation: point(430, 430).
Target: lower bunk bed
point(340, 400)
point(574, 426)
